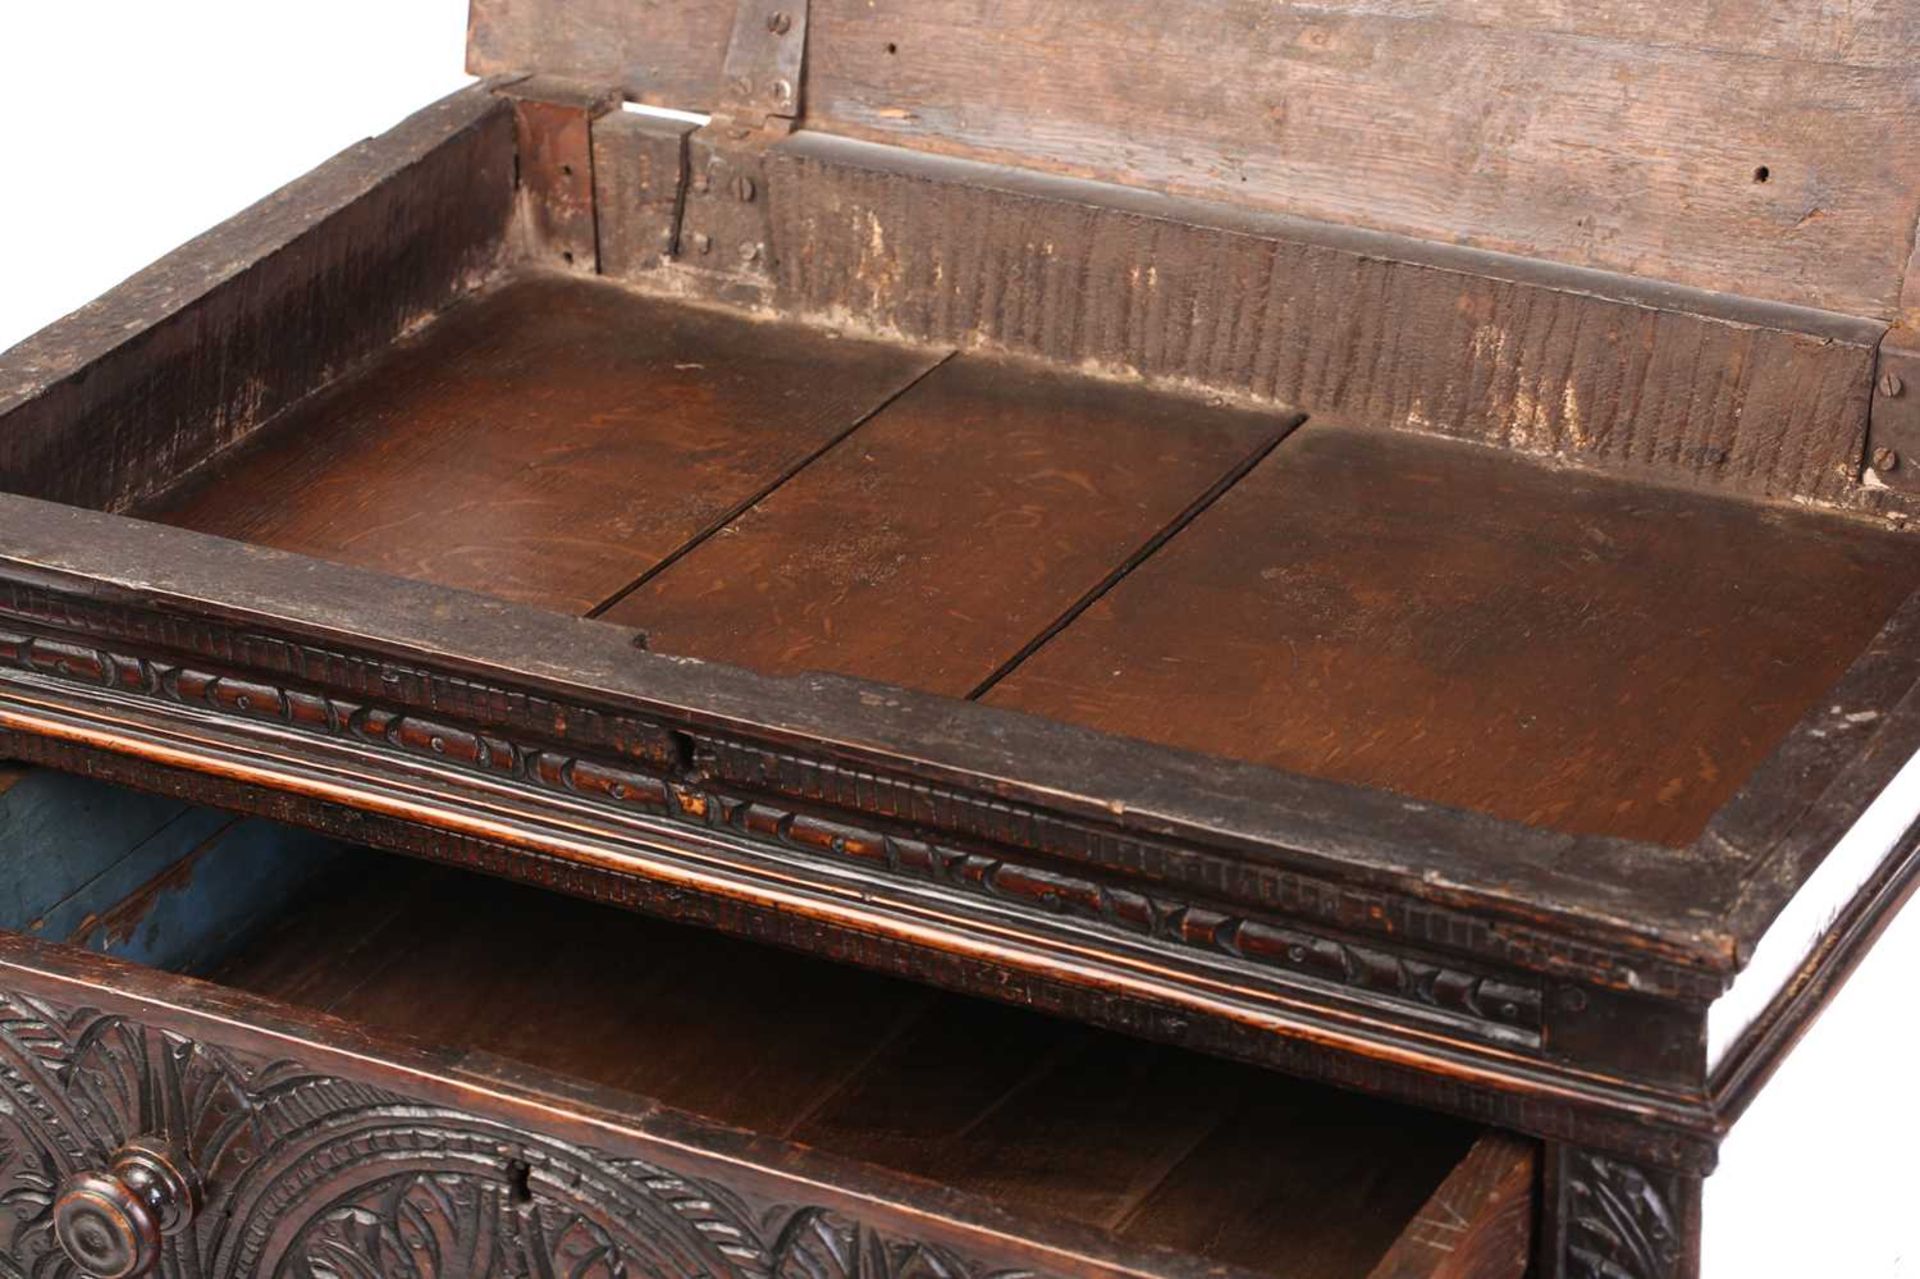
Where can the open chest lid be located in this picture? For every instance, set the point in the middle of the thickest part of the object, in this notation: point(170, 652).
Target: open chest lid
point(1766, 151)
point(502, 350)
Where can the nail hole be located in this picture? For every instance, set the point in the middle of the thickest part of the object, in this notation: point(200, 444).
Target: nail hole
point(566, 170)
point(1762, 173)
point(567, 256)
point(892, 47)
point(520, 1181)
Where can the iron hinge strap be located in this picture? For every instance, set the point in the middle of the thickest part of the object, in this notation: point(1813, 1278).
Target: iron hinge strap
point(1893, 418)
point(762, 78)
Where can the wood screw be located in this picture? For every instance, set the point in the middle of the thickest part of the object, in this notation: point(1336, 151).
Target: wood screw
point(702, 242)
point(779, 22)
point(749, 252)
point(782, 90)
point(1885, 459)
point(1891, 385)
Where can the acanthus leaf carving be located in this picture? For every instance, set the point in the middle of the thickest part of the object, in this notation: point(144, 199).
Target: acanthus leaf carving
point(1620, 1220)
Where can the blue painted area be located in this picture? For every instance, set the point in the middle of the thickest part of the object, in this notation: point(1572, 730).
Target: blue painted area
point(59, 833)
point(178, 838)
point(148, 879)
point(237, 881)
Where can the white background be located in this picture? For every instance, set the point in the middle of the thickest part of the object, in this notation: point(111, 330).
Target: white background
point(133, 126)
point(130, 127)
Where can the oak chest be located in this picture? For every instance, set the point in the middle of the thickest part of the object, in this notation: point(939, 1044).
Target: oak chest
point(1233, 639)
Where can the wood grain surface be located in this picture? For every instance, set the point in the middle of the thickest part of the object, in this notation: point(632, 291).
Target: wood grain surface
point(546, 442)
point(1478, 1223)
point(1614, 371)
point(1728, 147)
point(934, 543)
point(108, 405)
point(1047, 1117)
point(1476, 630)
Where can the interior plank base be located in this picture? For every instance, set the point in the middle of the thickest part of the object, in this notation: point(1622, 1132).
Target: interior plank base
point(546, 442)
point(1561, 650)
point(1176, 559)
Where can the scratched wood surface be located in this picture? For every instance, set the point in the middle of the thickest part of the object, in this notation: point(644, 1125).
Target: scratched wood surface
point(1479, 1222)
point(1048, 1117)
point(1722, 392)
point(954, 528)
point(1729, 146)
point(547, 442)
point(108, 405)
point(1468, 628)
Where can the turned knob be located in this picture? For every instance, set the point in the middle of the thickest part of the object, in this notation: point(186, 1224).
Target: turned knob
point(110, 1223)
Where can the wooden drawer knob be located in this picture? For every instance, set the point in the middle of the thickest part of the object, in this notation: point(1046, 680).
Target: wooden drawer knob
point(110, 1223)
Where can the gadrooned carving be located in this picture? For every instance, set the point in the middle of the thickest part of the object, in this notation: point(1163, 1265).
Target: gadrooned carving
point(84, 628)
point(1471, 997)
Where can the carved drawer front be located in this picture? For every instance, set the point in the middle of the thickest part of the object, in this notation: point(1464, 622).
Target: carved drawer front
point(201, 1134)
point(303, 1170)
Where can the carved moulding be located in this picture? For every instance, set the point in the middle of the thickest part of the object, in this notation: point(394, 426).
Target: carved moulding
point(1485, 1003)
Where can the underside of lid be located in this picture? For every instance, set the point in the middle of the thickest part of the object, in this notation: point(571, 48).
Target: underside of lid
point(1774, 157)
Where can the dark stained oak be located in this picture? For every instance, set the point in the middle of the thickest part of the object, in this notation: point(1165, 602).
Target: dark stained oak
point(546, 442)
point(1315, 1178)
point(1077, 1124)
point(1460, 626)
point(1480, 1221)
point(948, 532)
point(591, 991)
point(1053, 1119)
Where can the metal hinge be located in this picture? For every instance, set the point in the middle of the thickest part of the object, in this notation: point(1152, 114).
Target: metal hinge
point(761, 78)
point(1893, 420)
point(725, 226)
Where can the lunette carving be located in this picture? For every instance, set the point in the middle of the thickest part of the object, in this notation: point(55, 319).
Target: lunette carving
point(314, 1177)
point(1462, 993)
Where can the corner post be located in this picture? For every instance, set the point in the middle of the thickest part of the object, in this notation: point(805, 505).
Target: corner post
point(1604, 1217)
